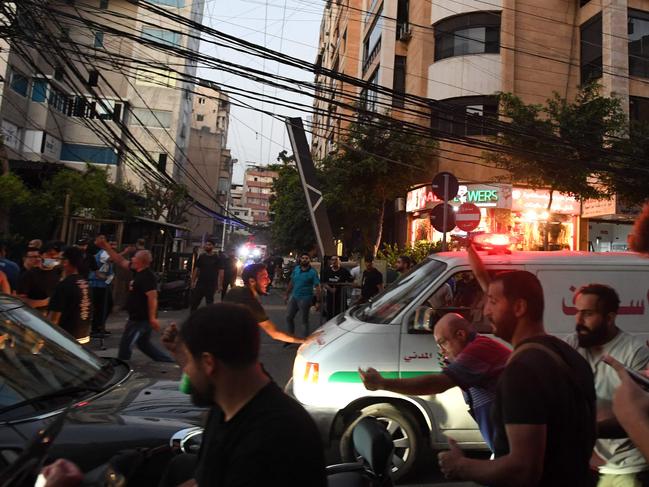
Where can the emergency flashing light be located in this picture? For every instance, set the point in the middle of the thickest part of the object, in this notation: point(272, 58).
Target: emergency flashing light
point(495, 243)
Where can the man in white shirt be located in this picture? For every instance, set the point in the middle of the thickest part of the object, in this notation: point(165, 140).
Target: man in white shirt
point(597, 335)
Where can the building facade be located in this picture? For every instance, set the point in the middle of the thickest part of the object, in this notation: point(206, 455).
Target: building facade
point(462, 55)
point(209, 172)
point(83, 86)
point(257, 191)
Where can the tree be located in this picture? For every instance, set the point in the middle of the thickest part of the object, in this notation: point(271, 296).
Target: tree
point(630, 179)
point(561, 146)
point(12, 189)
point(377, 161)
point(291, 227)
point(168, 200)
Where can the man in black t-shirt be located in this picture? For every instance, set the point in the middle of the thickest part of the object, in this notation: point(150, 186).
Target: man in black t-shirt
point(256, 280)
point(70, 306)
point(141, 304)
point(371, 282)
point(256, 435)
point(36, 283)
point(544, 411)
point(89, 264)
point(229, 265)
point(333, 280)
point(205, 275)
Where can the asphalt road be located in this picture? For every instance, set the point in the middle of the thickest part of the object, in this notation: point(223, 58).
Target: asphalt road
point(277, 360)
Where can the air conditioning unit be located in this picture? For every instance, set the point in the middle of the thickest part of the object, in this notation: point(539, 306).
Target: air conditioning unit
point(406, 33)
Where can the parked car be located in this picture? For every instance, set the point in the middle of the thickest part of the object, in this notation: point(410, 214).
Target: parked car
point(43, 370)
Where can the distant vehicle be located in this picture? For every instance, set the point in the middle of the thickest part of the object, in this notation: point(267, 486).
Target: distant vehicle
point(43, 370)
point(249, 253)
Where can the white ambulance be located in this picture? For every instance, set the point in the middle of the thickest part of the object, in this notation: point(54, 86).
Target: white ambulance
point(393, 334)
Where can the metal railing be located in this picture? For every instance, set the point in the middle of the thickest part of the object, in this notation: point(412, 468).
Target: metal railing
point(336, 298)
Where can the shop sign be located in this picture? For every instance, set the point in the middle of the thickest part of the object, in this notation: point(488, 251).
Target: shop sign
point(524, 199)
point(594, 208)
point(52, 147)
point(481, 195)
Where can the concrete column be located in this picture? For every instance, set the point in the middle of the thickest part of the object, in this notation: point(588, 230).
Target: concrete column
point(615, 50)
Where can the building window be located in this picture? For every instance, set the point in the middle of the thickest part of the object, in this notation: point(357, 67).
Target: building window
point(93, 78)
point(39, 90)
point(474, 33)
point(103, 4)
point(19, 83)
point(200, 118)
point(59, 101)
point(372, 43)
point(162, 36)
point(88, 153)
point(639, 109)
point(151, 118)
point(201, 101)
point(639, 43)
point(99, 39)
point(467, 115)
point(399, 82)
point(370, 95)
point(169, 3)
point(591, 49)
point(403, 26)
point(162, 162)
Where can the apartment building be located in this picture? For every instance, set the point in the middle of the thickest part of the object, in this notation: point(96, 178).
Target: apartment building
point(463, 53)
point(257, 191)
point(339, 44)
point(209, 169)
point(75, 93)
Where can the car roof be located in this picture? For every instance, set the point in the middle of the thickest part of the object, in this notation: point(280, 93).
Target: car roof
point(7, 302)
point(549, 258)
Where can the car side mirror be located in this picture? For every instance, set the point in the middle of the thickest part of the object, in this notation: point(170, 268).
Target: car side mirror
point(423, 320)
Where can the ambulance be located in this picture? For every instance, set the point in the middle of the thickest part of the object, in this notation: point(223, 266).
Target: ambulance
point(393, 333)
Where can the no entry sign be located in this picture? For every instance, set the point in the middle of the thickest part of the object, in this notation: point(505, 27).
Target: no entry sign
point(467, 217)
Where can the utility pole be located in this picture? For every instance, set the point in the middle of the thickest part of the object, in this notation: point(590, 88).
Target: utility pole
point(66, 218)
point(225, 225)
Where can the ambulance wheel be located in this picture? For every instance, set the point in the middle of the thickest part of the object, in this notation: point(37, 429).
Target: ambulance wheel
point(403, 428)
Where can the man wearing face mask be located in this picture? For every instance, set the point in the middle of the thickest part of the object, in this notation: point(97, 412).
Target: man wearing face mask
point(597, 335)
point(37, 283)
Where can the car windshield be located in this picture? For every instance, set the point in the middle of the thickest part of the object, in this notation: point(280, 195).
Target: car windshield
point(384, 307)
point(39, 360)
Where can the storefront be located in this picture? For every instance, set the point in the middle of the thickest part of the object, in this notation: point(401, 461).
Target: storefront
point(519, 212)
point(531, 220)
point(609, 224)
point(494, 201)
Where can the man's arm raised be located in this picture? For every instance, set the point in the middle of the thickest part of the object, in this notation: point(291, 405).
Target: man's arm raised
point(416, 386)
point(118, 259)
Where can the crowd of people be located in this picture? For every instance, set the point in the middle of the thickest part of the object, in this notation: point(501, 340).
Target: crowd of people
point(67, 284)
point(553, 412)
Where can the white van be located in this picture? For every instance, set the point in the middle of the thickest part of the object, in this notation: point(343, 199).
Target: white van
point(393, 334)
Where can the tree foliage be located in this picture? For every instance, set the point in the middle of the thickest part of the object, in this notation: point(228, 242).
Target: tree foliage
point(562, 145)
point(291, 228)
point(168, 200)
point(375, 163)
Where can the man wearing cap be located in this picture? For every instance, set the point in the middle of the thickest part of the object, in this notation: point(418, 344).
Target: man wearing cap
point(89, 264)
